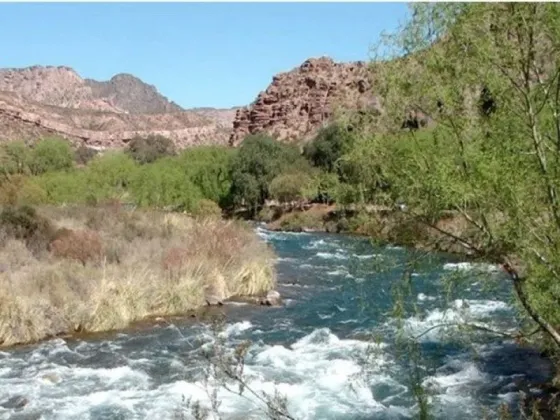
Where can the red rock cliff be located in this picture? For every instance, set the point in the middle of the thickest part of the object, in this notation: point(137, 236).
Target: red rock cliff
point(298, 102)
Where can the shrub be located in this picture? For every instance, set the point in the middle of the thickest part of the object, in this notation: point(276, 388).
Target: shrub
point(149, 149)
point(82, 245)
point(66, 187)
point(51, 154)
point(84, 154)
point(111, 173)
point(14, 158)
point(207, 208)
point(164, 184)
point(208, 167)
point(290, 187)
point(24, 223)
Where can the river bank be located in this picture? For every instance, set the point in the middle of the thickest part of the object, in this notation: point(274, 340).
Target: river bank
point(382, 224)
point(66, 270)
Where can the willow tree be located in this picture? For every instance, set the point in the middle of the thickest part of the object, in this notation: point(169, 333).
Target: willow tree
point(486, 80)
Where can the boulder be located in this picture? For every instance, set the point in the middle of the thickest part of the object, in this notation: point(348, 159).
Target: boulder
point(15, 403)
point(272, 298)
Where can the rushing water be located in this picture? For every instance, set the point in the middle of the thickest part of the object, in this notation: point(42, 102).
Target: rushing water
point(330, 349)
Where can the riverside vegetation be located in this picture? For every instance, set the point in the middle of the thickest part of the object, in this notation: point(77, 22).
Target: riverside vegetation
point(71, 269)
point(475, 168)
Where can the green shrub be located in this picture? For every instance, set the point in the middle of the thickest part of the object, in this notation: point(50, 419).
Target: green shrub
point(111, 173)
point(66, 187)
point(208, 168)
point(21, 190)
point(164, 184)
point(290, 187)
point(51, 154)
point(15, 157)
point(151, 148)
point(207, 208)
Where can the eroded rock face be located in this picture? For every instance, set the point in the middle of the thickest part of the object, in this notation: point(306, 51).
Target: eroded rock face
point(300, 101)
point(38, 101)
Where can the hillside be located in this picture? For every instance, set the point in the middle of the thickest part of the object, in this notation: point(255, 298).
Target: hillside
point(39, 100)
point(299, 101)
point(48, 100)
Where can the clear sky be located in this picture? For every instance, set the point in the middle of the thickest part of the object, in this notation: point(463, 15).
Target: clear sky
point(196, 54)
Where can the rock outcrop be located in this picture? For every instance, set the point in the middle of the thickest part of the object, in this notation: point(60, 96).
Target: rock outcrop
point(38, 101)
point(300, 101)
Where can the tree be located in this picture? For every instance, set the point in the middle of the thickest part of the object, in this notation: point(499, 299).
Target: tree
point(51, 154)
point(111, 173)
point(328, 147)
point(14, 158)
point(164, 184)
point(259, 160)
point(290, 187)
point(151, 148)
point(208, 168)
point(498, 171)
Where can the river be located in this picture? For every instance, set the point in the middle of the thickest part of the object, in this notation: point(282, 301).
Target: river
point(330, 349)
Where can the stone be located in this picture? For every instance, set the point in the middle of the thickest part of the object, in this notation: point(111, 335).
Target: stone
point(298, 102)
point(15, 403)
point(272, 298)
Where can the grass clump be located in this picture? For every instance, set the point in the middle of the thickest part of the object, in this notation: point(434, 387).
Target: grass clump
point(106, 267)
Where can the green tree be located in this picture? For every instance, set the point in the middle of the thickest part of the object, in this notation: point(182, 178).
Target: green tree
point(328, 146)
point(66, 187)
point(151, 148)
point(164, 184)
point(14, 158)
point(290, 187)
point(51, 154)
point(207, 167)
point(496, 167)
point(110, 173)
point(258, 161)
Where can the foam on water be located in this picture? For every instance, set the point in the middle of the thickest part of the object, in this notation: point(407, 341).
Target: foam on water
point(475, 267)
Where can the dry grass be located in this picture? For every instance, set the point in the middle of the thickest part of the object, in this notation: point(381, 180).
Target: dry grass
point(152, 264)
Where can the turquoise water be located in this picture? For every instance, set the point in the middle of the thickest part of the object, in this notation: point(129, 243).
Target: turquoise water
point(330, 349)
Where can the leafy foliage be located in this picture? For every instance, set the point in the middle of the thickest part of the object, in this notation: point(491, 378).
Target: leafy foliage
point(164, 184)
point(328, 147)
point(492, 155)
point(151, 148)
point(290, 187)
point(259, 160)
point(14, 158)
point(51, 154)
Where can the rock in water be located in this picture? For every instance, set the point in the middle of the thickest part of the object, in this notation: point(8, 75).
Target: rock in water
point(273, 298)
point(17, 403)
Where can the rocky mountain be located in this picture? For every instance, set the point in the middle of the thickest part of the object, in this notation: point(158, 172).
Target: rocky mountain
point(127, 92)
point(300, 101)
point(38, 101)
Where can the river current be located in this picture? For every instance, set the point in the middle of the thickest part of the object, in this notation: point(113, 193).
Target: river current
point(330, 349)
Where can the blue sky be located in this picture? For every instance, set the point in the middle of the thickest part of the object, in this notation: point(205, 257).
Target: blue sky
point(197, 54)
